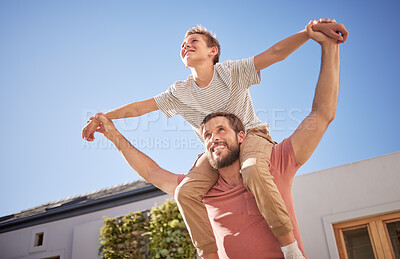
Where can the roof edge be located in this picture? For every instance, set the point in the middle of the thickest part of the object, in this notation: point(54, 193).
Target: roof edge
point(397, 153)
point(82, 208)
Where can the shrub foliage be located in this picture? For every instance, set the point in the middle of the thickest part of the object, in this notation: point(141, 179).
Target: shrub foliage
point(160, 233)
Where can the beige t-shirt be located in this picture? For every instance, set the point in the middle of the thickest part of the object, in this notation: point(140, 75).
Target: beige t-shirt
point(227, 92)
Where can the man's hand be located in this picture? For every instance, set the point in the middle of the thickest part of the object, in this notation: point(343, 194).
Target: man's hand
point(89, 130)
point(106, 126)
point(331, 28)
point(319, 37)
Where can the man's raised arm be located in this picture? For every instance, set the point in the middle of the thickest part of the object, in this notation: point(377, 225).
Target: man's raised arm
point(142, 164)
point(308, 135)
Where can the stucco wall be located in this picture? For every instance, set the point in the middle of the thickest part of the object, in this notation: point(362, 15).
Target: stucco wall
point(76, 237)
point(356, 190)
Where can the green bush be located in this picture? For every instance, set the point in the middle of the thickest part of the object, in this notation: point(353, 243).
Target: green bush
point(124, 237)
point(158, 234)
point(168, 236)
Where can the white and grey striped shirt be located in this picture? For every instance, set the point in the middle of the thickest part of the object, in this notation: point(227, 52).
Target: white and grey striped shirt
point(227, 92)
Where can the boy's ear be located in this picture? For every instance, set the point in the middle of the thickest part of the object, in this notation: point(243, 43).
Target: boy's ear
point(214, 51)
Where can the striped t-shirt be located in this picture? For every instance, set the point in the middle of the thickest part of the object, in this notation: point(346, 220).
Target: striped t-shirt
point(227, 92)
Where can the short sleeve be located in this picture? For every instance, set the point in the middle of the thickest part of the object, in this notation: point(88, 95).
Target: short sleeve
point(180, 178)
point(167, 102)
point(244, 73)
point(283, 159)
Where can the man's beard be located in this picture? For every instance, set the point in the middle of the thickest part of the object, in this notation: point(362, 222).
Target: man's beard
point(229, 159)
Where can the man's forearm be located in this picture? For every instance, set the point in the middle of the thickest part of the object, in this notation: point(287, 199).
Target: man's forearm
point(327, 90)
point(141, 163)
point(149, 170)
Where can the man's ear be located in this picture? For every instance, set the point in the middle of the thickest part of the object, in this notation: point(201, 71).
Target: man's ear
point(241, 136)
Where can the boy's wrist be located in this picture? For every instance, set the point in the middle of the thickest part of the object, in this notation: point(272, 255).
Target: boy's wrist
point(304, 31)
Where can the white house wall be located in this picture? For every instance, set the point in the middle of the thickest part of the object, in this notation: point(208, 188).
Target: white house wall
point(71, 238)
point(343, 193)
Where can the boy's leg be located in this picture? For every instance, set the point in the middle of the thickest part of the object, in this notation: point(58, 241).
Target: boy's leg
point(189, 196)
point(255, 154)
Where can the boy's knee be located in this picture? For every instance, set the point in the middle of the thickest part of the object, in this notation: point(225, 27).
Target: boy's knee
point(184, 193)
point(249, 175)
point(254, 171)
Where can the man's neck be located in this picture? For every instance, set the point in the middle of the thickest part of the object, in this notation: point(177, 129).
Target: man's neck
point(231, 174)
point(203, 74)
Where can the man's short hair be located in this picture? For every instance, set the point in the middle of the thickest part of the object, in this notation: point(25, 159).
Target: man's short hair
point(211, 39)
point(236, 123)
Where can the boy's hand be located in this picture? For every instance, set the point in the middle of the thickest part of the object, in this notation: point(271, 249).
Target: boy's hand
point(331, 28)
point(89, 130)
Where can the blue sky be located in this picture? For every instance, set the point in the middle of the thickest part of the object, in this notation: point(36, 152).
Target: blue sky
point(62, 61)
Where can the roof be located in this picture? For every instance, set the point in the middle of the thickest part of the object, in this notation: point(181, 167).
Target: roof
point(77, 205)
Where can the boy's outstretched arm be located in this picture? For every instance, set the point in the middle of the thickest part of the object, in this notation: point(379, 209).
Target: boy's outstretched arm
point(280, 50)
point(285, 47)
point(134, 109)
point(142, 164)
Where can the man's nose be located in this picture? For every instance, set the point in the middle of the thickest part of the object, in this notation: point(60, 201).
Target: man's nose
point(215, 137)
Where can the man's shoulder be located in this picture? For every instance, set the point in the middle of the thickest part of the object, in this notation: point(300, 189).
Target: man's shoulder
point(283, 160)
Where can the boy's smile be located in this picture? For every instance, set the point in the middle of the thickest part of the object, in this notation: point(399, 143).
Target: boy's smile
point(194, 50)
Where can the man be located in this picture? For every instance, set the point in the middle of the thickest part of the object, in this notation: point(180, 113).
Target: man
point(241, 233)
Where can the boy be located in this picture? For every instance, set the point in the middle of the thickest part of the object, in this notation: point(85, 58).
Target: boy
point(224, 86)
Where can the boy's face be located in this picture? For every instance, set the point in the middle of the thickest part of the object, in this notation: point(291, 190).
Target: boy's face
point(194, 50)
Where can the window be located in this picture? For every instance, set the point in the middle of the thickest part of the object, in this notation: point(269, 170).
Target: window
point(39, 239)
point(394, 236)
point(375, 237)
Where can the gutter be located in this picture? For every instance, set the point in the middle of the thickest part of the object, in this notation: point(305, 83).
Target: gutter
point(81, 208)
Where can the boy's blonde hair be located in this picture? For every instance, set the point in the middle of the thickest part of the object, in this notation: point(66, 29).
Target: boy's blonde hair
point(211, 39)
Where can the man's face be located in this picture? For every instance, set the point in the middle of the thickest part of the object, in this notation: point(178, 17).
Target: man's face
point(194, 49)
point(221, 142)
